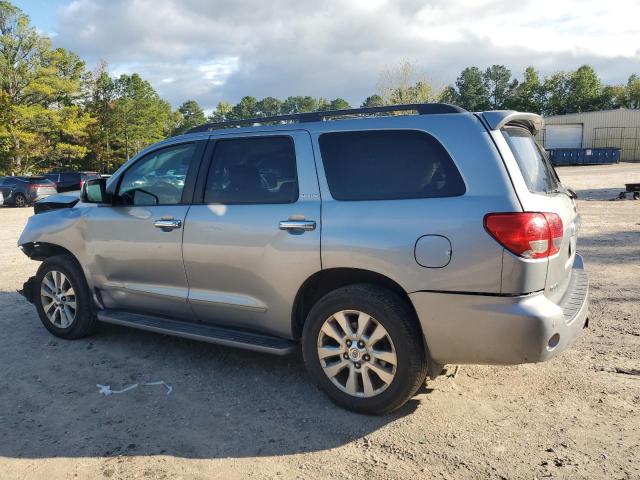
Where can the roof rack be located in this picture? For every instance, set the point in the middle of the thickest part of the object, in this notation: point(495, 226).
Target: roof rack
point(421, 108)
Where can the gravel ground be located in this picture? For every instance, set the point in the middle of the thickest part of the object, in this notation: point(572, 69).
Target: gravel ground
point(236, 414)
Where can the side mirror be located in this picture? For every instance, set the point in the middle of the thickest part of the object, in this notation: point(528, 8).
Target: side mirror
point(94, 191)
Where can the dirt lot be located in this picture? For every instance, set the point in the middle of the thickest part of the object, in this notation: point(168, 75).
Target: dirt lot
point(237, 414)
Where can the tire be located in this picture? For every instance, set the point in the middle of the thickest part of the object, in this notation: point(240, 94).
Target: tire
point(404, 339)
point(83, 321)
point(20, 201)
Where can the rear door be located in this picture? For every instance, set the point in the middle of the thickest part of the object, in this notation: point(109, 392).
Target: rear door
point(252, 236)
point(543, 192)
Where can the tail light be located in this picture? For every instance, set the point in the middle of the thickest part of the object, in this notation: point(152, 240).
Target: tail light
point(526, 234)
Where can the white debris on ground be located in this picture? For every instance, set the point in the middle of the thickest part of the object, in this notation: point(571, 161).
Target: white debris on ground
point(106, 389)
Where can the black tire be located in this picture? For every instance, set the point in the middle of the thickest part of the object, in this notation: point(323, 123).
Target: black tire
point(84, 322)
point(20, 200)
point(398, 318)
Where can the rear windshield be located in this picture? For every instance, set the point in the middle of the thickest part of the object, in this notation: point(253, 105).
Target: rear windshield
point(40, 180)
point(536, 169)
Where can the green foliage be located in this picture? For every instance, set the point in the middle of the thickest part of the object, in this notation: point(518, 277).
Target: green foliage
point(374, 100)
point(40, 87)
point(526, 96)
point(299, 105)
point(472, 91)
point(221, 113)
point(246, 108)
point(497, 81)
point(269, 107)
point(633, 92)
point(189, 115)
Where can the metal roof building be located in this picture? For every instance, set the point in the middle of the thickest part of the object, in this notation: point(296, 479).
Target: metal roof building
point(618, 128)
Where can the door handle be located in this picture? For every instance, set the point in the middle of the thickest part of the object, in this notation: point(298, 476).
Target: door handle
point(167, 224)
point(305, 225)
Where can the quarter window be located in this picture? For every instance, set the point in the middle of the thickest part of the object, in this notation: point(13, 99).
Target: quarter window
point(253, 171)
point(388, 165)
point(158, 178)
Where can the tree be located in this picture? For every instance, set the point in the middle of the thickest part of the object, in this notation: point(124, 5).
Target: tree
point(99, 103)
point(403, 83)
point(190, 115)
point(497, 81)
point(526, 96)
point(615, 96)
point(299, 105)
point(246, 108)
point(221, 113)
point(374, 100)
point(40, 87)
point(472, 91)
point(555, 94)
point(142, 117)
point(269, 107)
point(584, 90)
point(339, 104)
point(448, 95)
point(633, 91)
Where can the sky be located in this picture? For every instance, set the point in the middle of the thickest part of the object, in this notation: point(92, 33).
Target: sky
point(212, 50)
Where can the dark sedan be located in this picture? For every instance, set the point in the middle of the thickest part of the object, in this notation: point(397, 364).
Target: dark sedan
point(70, 181)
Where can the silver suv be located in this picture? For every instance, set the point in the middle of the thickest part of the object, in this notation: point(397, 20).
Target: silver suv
point(386, 246)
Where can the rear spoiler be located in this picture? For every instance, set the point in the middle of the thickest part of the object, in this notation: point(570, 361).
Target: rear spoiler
point(497, 119)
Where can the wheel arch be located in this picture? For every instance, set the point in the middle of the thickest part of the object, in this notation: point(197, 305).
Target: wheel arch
point(42, 250)
point(324, 281)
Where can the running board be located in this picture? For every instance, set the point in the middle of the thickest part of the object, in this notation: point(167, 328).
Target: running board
point(201, 332)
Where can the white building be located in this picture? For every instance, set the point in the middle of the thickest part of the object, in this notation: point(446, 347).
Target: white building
point(618, 128)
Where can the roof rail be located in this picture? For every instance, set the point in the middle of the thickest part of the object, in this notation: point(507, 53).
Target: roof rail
point(421, 108)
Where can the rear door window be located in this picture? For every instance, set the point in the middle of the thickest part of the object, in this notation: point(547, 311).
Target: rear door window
point(536, 168)
point(253, 171)
point(388, 165)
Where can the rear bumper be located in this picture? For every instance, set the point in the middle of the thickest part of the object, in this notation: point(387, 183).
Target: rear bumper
point(482, 329)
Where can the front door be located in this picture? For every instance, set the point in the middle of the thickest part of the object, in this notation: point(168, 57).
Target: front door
point(136, 244)
point(255, 236)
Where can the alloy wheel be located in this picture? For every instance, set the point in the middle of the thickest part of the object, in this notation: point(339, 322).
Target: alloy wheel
point(356, 353)
point(58, 299)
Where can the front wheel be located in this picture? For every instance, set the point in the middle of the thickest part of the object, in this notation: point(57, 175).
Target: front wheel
point(362, 345)
point(62, 298)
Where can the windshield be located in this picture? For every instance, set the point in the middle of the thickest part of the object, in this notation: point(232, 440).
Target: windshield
point(536, 169)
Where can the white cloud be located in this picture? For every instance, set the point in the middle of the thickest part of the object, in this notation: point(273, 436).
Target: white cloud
point(213, 50)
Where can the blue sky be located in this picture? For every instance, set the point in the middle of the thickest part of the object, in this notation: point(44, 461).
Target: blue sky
point(212, 50)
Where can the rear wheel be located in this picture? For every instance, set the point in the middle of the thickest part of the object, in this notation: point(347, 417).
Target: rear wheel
point(62, 298)
point(20, 200)
point(362, 345)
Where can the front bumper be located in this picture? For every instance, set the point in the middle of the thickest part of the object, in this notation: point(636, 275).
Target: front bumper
point(501, 330)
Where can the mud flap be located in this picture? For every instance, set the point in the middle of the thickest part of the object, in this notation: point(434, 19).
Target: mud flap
point(27, 289)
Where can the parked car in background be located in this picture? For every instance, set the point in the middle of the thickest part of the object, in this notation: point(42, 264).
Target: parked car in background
point(385, 247)
point(69, 181)
point(23, 191)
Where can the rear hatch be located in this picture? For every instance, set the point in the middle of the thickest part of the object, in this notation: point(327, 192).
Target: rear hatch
point(545, 193)
point(41, 187)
